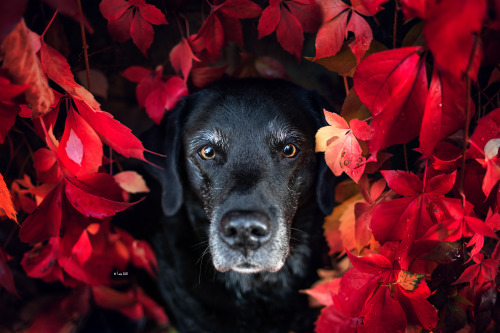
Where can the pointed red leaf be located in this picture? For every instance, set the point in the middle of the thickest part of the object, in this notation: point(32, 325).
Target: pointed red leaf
point(181, 58)
point(269, 19)
point(404, 183)
point(240, 9)
point(363, 33)
point(382, 313)
point(142, 33)
point(445, 110)
point(152, 14)
point(80, 149)
point(45, 222)
point(95, 195)
point(113, 9)
point(450, 31)
point(331, 35)
point(112, 132)
point(136, 73)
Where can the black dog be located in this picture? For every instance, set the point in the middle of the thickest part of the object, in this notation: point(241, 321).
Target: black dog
point(243, 194)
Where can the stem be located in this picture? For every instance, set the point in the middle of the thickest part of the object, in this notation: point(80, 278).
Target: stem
point(50, 23)
point(467, 116)
point(395, 26)
point(466, 138)
point(425, 175)
point(84, 46)
point(346, 85)
point(405, 153)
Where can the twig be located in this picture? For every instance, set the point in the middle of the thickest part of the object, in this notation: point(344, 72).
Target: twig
point(84, 46)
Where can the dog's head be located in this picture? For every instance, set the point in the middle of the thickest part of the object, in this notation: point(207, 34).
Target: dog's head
point(247, 148)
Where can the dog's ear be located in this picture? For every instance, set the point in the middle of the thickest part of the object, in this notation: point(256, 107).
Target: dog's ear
point(165, 139)
point(326, 180)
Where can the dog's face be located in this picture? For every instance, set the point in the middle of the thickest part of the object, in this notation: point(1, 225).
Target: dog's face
point(249, 157)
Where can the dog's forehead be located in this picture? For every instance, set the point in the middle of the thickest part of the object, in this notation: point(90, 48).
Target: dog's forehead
point(236, 114)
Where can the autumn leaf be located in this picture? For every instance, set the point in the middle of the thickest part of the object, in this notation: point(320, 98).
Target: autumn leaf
point(155, 91)
point(408, 219)
point(80, 148)
point(6, 205)
point(112, 132)
point(131, 181)
point(95, 195)
point(450, 31)
point(132, 19)
point(342, 150)
point(182, 57)
point(445, 110)
point(338, 20)
point(480, 274)
point(223, 24)
point(393, 85)
point(23, 65)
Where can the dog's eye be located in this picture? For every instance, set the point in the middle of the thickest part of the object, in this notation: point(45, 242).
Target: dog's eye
point(207, 152)
point(289, 150)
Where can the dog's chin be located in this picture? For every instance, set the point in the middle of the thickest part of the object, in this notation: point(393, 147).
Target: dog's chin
point(249, 268)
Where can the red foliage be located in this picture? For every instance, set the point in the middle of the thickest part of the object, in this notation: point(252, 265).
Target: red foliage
point(444, 209)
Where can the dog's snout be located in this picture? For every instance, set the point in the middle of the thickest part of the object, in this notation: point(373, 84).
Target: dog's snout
point(245, 231)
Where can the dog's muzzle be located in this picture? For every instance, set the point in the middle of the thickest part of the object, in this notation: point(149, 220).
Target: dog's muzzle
point(245, 231)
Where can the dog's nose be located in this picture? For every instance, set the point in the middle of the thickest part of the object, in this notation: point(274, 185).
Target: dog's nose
point(245, 231)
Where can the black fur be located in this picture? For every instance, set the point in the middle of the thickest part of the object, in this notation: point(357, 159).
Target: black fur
point(248, 183)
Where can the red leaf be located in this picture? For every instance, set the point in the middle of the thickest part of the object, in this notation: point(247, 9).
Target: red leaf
point(175, 89)
point(45, 221)
point(342, 149)
point(308, 12)
point(418, 311)
point(136, 74)
point(80, 149)
point(445, 110)
point(450, 32)
point(355, 289)
point(57, 69)
point(210, 36)
point(382, 313)
point(408, 219)
point(131, 181)
point(150, 13)
point(372, 7)
point(20, 60)
point(155, 103)
point(142, 33)
point(488, 127)
point(6, 278)
point(331, 34)
point(112, 132)
point(132, 19)
point(332, 320)
point(322, 292)
point(393, 85)
point(119, 28)
point(42, 261)
point(363, 34)
point(113, 9)
point(6, 205)
point(269, 19)
point(404, 183)
point(277, 16)
point(95, 195)
point(181, 58)
point(371, 264)
point(240, 9)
